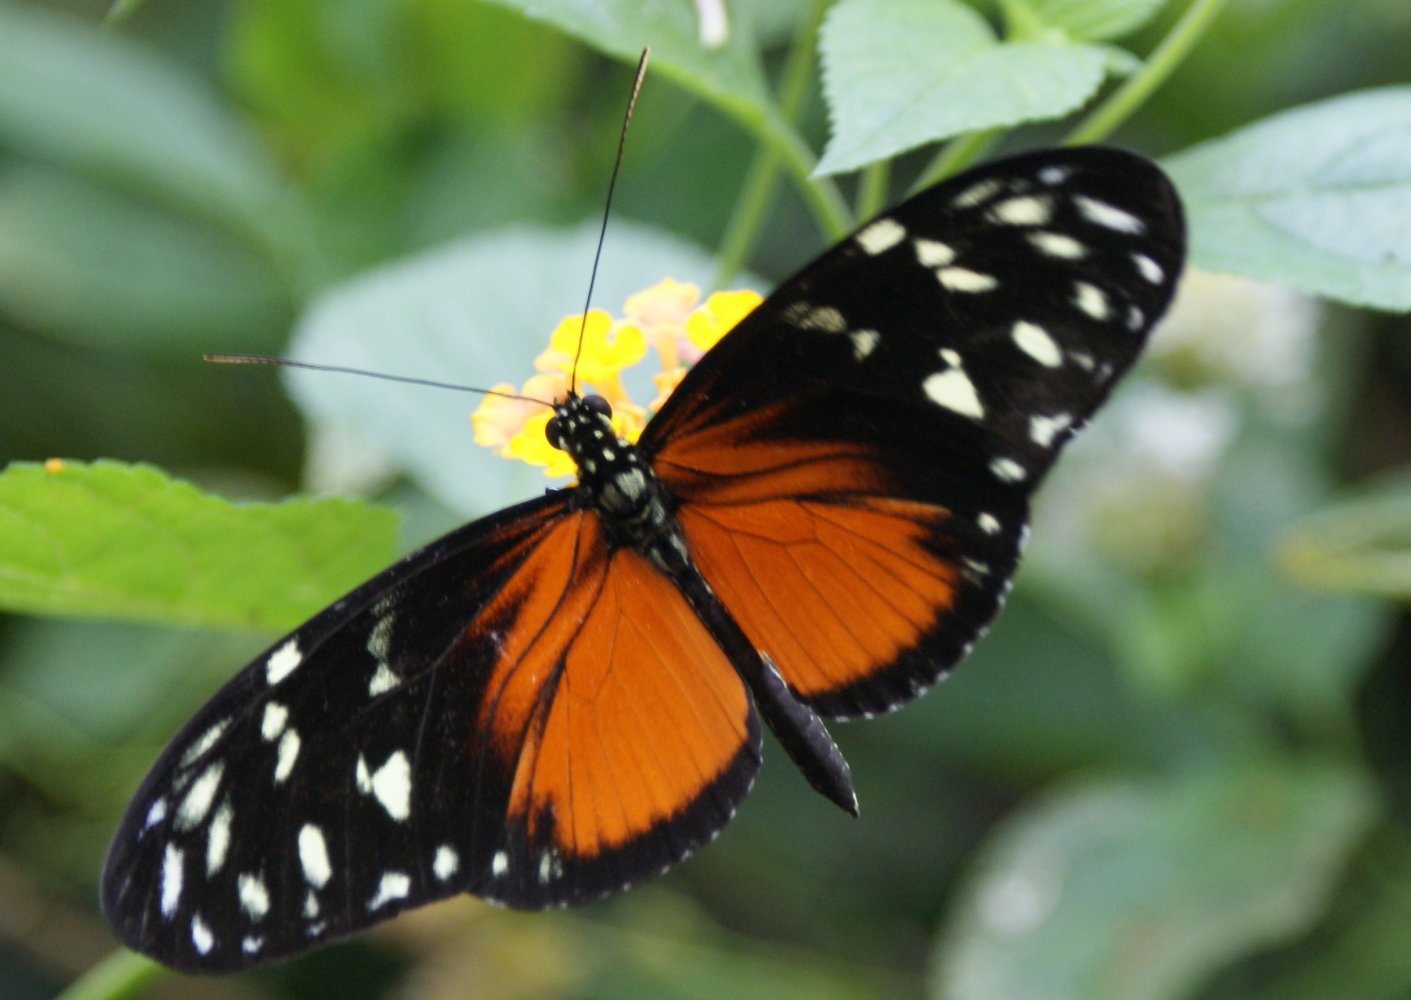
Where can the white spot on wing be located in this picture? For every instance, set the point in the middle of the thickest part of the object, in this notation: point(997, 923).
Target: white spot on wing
point(394, 885)
point(953, 389)
point(824, 319)
point(960, 279)
point(218, 838)
point(283, 661)
point(313, 856)
point(864, 342)
point(379, 640)
point(1109, 216)
point(500, 863)
point(1022, 210)
point(383, 679)
point(1057, 245)
point(201, 935)
point(198, 799)
point(1043, 429)
point(252, 945)
point(446, 863)
point(1008, 470)
point(1091, 300)
point(1150, 269)
point(933, 253)
point(272, 724)
point(155, 814)
point(881, 236)
point(391, 785)
point(1054, 175)
point(977, 193)
point(1034, 341)
point(288, 754)
point(208, 739)
point(254, 897)
point(173, 871)
point(988, 523)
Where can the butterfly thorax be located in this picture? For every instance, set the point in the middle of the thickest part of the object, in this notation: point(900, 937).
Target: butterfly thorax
point(616, 482)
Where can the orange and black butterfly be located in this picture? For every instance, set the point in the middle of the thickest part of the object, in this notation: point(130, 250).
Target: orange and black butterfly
point(565, 698)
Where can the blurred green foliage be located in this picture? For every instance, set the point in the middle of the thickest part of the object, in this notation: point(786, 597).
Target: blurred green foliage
point(1178, 766)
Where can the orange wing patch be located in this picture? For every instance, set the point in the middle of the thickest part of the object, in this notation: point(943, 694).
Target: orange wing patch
point(833, 592)
point(724, 460)
point(615, 706)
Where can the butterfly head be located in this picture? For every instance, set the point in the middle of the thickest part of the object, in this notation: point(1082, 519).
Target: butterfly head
point(581, 425)
point(613, 476)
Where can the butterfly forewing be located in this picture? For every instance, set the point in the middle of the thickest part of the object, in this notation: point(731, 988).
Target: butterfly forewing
point(940, 357)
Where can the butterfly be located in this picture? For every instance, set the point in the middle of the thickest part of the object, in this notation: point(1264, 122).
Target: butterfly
point(566, 697)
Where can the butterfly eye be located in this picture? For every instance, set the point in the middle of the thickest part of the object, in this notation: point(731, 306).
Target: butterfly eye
point(598, 405)
point(554, 433)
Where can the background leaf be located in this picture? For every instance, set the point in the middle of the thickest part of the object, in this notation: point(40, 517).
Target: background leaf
point(1361, 544)
point(87, 264)
point(902, 73)
point(1316, 197)
point(1091, 20)
point(729, 76)
point(103, 105)
point(479, 310)
point(1139, 889)
point(109, 540)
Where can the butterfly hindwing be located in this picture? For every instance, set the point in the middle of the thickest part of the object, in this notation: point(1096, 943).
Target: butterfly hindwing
point(412, 742)
point(854, 460)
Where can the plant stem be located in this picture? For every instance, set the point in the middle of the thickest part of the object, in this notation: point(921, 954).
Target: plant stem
point(872, 189)
point(958, 154)
point(118, 976)
point(752, 204)
point(1162, 62)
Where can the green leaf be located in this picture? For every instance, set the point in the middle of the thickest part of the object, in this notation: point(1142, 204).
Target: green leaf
point(105, 105)
point(1088, 20)
point(120, 10)
point(323, 77)
point(112, 540)
point(730, 76)
point(72, 685)
point(456, 71)
point(1360, 954)
point(1140, 889)
point(1362, 544)
point(1316, 198)
point(901, 73)
point(477, 311)
point(86, 264)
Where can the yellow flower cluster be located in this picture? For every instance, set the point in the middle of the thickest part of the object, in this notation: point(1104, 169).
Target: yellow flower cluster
point(665, 317)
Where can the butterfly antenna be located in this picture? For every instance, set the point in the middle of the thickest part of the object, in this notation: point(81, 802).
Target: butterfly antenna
point(607, 207)
point(264, 359)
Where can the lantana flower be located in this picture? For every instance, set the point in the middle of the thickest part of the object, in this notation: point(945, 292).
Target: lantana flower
point(665, 318)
